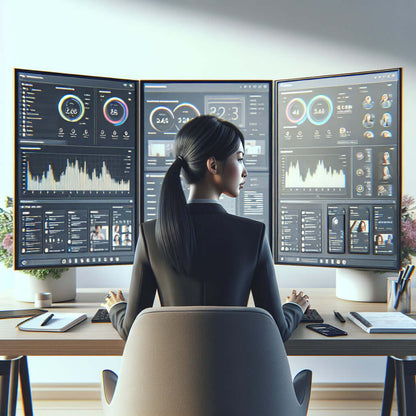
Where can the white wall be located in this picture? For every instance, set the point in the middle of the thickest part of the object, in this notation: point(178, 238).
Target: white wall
point(213, 39)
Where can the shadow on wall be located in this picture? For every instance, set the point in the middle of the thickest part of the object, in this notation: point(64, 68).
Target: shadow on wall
point(381, 26)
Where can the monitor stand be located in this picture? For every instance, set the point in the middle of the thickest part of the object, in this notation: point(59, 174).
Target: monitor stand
point(362, 285)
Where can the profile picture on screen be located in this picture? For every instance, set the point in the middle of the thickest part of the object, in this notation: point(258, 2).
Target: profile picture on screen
point(386, 120)
point(99, 232)
point(385, 160)
point(126, 239)
point(386, 101)
point(385, 190)
point(368, 120)
point(385, 173)
point(359, 226)
point(379, 240)
point(116, 240)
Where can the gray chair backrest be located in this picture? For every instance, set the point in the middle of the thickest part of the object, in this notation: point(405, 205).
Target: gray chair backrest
point(206, 361)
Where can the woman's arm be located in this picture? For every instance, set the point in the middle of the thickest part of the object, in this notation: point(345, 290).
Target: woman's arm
point(141, 293)
point(266, 294)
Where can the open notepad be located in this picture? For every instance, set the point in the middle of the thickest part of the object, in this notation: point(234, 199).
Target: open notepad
point(383, 322)
point(60, 322)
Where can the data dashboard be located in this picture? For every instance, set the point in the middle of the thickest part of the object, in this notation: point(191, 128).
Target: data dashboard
point(338, 170)
point(76, 170)
point(167, 105)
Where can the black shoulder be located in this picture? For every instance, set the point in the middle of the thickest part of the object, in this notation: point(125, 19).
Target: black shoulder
point(148, 226)
point(252, 227)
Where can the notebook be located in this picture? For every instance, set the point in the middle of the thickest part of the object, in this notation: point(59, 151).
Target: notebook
point(60, 322)
point(383, 322)
point(19, 313)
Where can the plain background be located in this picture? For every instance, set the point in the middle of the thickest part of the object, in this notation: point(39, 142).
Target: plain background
point(211, 39)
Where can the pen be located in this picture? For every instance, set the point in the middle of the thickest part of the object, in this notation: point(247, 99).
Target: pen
point(399, 280)
point(407, 278)
point(401, 286)
point(47, 320)
point(339, 316)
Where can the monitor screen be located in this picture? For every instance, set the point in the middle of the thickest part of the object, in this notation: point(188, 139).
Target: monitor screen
point(167, 105)
point(75, 177)
point(338, 171)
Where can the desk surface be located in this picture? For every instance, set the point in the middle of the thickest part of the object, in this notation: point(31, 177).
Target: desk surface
point(101, 339)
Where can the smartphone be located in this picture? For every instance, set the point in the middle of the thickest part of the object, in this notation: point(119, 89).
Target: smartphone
point(327, 330)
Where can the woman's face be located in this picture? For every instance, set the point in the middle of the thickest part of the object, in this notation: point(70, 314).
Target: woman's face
point(234, 173)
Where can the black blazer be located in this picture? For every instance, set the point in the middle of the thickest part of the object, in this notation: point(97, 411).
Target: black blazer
point(232, 257)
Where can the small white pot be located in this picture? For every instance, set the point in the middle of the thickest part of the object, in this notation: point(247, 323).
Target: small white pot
point(62, 289)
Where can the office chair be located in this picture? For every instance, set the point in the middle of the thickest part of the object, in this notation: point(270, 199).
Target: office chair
point(205, 361)
point(403, 371)
point(10, 370)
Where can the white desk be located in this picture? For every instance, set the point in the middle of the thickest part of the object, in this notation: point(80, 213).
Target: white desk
point(101, 339)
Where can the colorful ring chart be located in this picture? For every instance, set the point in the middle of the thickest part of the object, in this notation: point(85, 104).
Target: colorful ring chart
point(296, 111)
point(183, 113)
point(320, 110)
point(115, 111)
point(71, 108)
point(161, 119)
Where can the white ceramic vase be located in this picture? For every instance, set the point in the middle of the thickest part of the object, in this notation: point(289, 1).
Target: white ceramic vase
point(362, 285)
point(62, 289)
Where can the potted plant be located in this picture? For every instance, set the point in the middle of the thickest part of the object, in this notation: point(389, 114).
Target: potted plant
point(408, 235)
point(30, 281)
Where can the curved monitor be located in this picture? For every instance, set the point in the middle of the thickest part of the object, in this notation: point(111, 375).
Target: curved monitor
point(338, 171)
point(75, 177)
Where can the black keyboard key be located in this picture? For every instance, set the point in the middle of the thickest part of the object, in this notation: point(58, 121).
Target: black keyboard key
point(101, 316)
point(312, 317)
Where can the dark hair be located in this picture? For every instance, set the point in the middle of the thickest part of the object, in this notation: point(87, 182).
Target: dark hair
point(198, 140)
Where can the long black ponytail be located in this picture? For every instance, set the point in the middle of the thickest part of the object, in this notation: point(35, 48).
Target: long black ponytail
point(197, 141)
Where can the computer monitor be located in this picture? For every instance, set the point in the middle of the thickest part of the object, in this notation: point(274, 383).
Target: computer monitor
point(167, 105)
point(76, 170)
point(338, 171)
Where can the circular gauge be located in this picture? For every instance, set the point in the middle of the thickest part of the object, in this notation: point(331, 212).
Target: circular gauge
point(71, 108)
point(115, 111)
point(320, 110)
point(296, 111)
point(359, 155)
point(161, 119)
point(359, 188)
point(183, 113)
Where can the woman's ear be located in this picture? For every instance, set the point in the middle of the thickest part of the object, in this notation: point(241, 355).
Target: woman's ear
point(212, 165)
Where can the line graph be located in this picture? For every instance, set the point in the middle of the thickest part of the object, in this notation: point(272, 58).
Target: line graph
point(316, 174)
point(77, 173)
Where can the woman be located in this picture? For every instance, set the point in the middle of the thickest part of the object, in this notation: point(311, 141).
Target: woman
point(196, 253)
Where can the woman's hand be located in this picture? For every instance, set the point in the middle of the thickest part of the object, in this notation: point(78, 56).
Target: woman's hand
point(299, 298)
point(112, 298)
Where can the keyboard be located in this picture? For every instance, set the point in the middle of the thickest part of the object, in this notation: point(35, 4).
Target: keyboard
point(101, 316)
point(312, 317)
